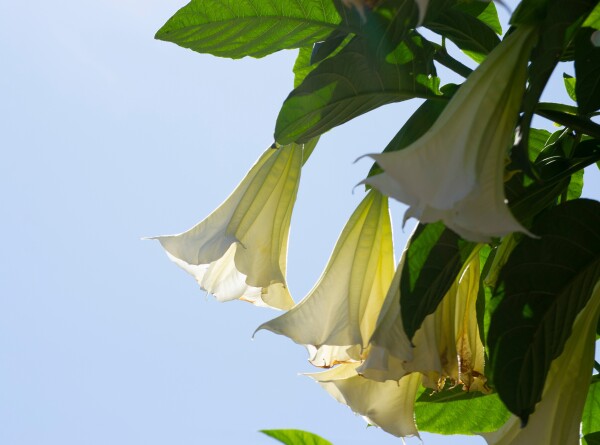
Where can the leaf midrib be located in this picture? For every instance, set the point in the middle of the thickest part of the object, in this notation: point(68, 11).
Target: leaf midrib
point(218, 23)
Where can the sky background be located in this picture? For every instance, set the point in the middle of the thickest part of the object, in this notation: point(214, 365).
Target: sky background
point(108, 136)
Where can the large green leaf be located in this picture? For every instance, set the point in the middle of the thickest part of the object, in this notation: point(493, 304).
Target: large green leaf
point(587, 72)
point(468, 33)
point(435, 256)
point(238, 28)
point(296, 437)
point(455, 411)
point(349, 84)
point(544, 285)
point(590, 421)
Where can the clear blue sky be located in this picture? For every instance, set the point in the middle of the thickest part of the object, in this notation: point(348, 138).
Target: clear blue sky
point(107, 136)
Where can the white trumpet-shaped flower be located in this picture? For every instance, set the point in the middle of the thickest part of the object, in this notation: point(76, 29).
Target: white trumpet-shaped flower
point(446, 346)
point(455, 172)
point(337, 318)
point(239, 251)
point(388, 405)
point(557, 416)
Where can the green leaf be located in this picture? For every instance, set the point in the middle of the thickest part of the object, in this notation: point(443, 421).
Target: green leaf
point(484, 11)
point(529, 12)
point(575, 185)
point(544, 285)
point(349, 84)
point(590, 421)
point(587, 71)
point(296, 437)
point(593, 20)
point(455, 411)
point(435, 256)
point(578, 123)
point(570, 86)
point(554, 19)
point(238, 28)
point(302, 65)
point(537, 142)
point(467, 32)
point(592, 439)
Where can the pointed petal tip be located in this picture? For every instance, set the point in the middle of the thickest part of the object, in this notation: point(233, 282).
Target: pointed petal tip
point(368, 155)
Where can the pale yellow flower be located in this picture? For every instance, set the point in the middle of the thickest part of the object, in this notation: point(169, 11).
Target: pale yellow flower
point(337, 318)
point(239, 251)
point(388, 405)
point(455, 172)
point(557, 416)
point(446, 346)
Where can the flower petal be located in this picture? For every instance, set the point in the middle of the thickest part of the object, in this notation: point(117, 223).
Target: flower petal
point(342, 309)
point(388, 405)
point(447, 345)
point(454, 172)
point(239, 251)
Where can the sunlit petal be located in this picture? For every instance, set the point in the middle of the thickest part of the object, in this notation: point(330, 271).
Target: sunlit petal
point(388, 405)
point(446, 346)
point(455, 172)
point(338, 316)
point(239, 251)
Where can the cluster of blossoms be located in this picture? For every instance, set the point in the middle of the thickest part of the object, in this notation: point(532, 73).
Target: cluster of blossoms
point(350, 322)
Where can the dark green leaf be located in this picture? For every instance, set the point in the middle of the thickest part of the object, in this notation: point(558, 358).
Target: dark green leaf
point(562, 108)
point(525, 202)
point(296, 437)
point(455, 411)
point(484, 293)
point(578, 123)
point(587, 71)
point(435, 256)
point(570, 86)
point(544, 285)
point(238, 28)
point(592, 439)
point(322, 50)
point(530, 12)
point(349, 84)
point(590, 421)
point(467, 32)
point(382, 28)
point(555, 19)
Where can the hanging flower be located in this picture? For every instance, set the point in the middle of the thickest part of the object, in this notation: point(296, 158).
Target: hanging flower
point(446, 346)
point(557, 417)
point(239, 251)
point(388, 405)
point(454, 172)
point(337, 318)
